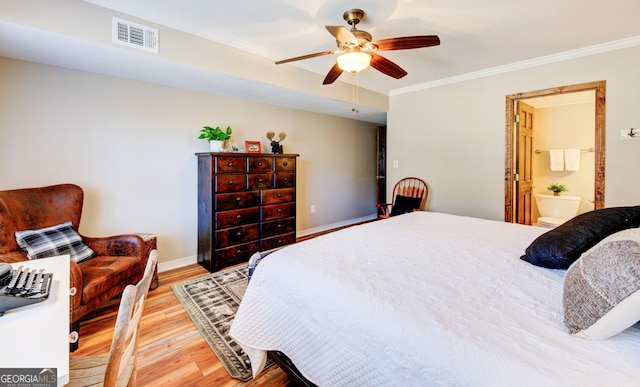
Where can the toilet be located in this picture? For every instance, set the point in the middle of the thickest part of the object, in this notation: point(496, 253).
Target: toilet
point(555, 210)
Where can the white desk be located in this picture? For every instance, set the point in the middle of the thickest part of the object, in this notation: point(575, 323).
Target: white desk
point(37, 335)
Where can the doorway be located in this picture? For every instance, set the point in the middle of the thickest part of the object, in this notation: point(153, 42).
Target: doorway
point(381, 165)
point(511, 142)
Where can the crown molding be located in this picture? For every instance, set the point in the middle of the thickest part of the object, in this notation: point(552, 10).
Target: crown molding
point(543, 60)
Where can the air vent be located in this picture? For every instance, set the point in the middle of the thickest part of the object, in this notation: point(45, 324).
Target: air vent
point(135, 35)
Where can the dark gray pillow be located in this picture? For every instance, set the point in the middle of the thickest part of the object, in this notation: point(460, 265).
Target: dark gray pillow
point(404, 204)
point(561, 246)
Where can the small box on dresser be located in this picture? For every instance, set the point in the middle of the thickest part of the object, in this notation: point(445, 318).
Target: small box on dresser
point(246, 203)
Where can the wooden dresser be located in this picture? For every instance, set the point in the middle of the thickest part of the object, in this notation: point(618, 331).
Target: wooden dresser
point(246, 203)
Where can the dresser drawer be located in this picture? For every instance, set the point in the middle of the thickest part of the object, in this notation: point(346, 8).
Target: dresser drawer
point(285, 164)
point(260, 164)
point(231, 164)
point(234, 254)
point(237, 235)
point(226, 219)
point(278, 211)
point(273, 196)
point(285, 179)
point(278, 241)
point(232, 201)
point(277, 227)
point(260, 181)
point(230, 183)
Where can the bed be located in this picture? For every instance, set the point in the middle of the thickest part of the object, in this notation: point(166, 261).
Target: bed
point(425, 299)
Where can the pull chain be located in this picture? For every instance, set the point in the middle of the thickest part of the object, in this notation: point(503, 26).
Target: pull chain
point(354, 105)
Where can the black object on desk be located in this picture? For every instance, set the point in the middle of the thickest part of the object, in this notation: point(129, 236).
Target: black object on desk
point(22, 287)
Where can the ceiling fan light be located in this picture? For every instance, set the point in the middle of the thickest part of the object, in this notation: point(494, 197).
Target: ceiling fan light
point(354, 61)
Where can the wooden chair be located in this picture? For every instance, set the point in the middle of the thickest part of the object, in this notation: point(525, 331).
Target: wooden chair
point(409, 194)
point(119, 367)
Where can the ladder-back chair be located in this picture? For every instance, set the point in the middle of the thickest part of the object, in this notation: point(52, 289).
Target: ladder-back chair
point(119, 367)
point(409, 194)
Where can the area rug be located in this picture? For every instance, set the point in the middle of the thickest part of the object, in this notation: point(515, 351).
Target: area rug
point(212, 301)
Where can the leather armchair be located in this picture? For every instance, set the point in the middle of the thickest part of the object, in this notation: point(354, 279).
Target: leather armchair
point(120, 260)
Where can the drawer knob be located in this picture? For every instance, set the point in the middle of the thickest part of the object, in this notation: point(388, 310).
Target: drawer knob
point(260, 163)
point(239, 234)
point(285, 179)
point(279, 210)
point(238, 251)
point(259, 180)
point(230, 182)
point(238, 199)
point(230, 164)
point(279, 195)
point(238, 216)
point(279, 226)
point(285, 163)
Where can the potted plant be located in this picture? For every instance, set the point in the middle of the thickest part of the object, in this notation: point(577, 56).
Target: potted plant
point(556, 188)
point(215, 136)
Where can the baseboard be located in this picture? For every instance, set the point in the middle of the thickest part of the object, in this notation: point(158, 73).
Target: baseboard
point(181, 262)
point(177, 263)
point(315, 230)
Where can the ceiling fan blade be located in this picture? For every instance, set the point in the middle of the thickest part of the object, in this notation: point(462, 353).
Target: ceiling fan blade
point(386, 66)
point(407, 42)
point(342, 35)
point(333, 74)
point(305, 57)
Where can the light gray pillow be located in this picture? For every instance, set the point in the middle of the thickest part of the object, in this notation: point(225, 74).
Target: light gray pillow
point(632, 234)
point(602, 290)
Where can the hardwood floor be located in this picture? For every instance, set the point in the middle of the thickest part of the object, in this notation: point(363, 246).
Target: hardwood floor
point(171, 350)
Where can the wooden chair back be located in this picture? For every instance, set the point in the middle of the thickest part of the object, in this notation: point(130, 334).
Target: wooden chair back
point(119, 367)
point(409, 186)
point(412, 187)
point(124, 345)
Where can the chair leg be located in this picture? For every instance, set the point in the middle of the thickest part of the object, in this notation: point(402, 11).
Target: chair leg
point(74, 327)
point(154, 281)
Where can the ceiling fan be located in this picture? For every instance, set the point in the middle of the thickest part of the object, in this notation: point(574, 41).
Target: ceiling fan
point(356, 50)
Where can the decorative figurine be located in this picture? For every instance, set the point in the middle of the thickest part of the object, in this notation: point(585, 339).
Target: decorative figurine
point(276, 148)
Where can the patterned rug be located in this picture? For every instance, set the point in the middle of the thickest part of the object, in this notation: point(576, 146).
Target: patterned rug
point(211, 302)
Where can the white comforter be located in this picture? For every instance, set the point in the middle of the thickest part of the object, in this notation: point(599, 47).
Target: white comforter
point(423, 299)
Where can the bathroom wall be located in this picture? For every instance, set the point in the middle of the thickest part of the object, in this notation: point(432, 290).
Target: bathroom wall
point(563, 127)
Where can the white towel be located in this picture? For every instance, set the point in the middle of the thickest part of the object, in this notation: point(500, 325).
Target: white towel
point(556, 159)
point(572, 159)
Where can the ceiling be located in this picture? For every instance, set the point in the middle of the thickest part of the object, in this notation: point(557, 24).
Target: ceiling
point(477, 36)
point(562, 99)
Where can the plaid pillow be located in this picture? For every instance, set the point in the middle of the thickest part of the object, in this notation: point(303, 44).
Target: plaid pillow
point(52, 241)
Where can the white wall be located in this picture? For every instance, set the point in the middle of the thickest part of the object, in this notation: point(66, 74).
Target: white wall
point(131, 146)
point(453, 136)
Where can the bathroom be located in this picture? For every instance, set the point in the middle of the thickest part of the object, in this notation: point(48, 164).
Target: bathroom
point(560, 123)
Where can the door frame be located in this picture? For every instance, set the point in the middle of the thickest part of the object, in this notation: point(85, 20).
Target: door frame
point(381, 165)
point(600, 133)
